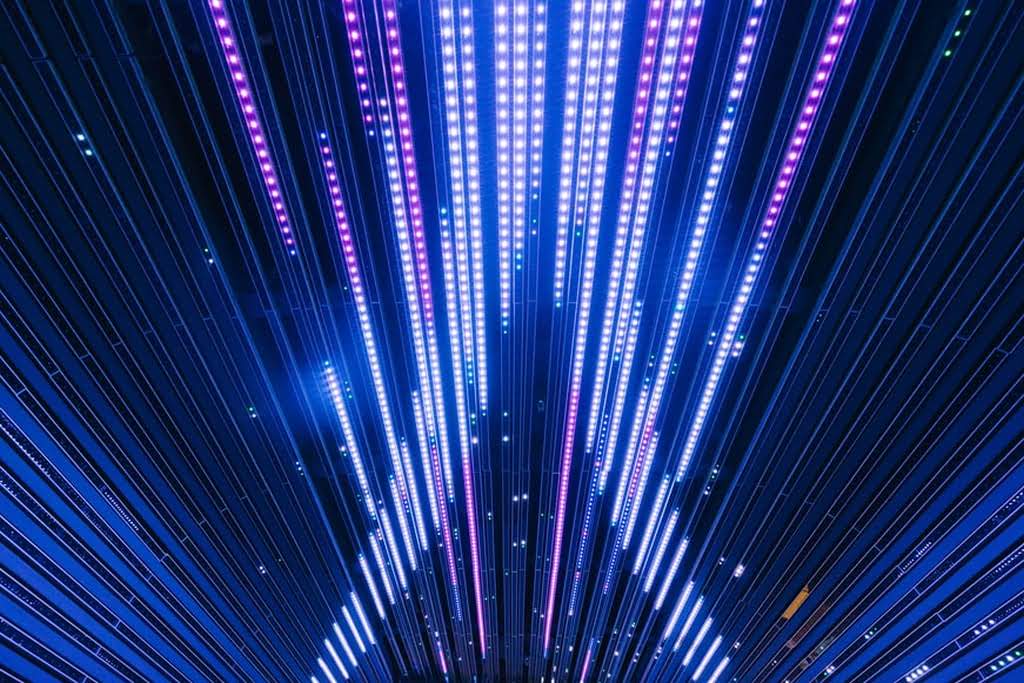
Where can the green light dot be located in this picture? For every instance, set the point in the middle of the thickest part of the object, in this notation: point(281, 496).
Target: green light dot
point(967, 12)
point(947, 53)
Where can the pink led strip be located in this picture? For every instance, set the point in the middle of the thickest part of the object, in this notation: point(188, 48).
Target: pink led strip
point(463, 426)
point(393, 42)
point(711, 185)
point(679, 45)
point(243, 91)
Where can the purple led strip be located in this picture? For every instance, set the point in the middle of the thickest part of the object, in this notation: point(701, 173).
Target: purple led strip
point(357, 49)
point(422, 291)
point(442, 510)
point(685, 67)
point(638, 171)
point(623, 348)
point(243, 91)
point(353, 19)
point(464, 438)
point(625, 494)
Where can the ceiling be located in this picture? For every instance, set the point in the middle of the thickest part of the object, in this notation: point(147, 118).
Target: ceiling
point(656, 340)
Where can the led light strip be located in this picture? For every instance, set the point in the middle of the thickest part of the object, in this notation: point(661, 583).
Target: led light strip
point(352, 626)
point(623, 495)
point(352, 449)
point(327, 671)
point(707, 657)
point(243, 91)
point(345, 646)
point(527, 120)
point(357, 50)
point(736, 88)
point(635, 492)
point(439, 507)
point(350, 446)
point(645, 540)
point(718, 670)
point(519, 85)
point(426, 459)
point(722, 142)
point(689, 620)
point(586, 662)
point(410, 476)
point(409, 231)
point(696, 641)
point(335, 658)
point(464, 169)
point(464, 438)
point(711, 185)
point(382, 567)
point(607, 59)
point(503, 107)
point(476, 239)
point(673, 567)
point(643, 153)
point(403, 472)
point(625, 346)
point(401, 505)
point(531, 108)
point(677, 611)
point(362, 620)
point(342, 640)
point(391, 543)
point(404, 185)
point(783, 184)
point(411, 185)
point(364, 565)
point(659, 554)
point(574, 62)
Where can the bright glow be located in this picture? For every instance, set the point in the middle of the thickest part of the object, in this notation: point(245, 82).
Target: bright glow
point(697, 641)
point(707, 657)
point(718, 670)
